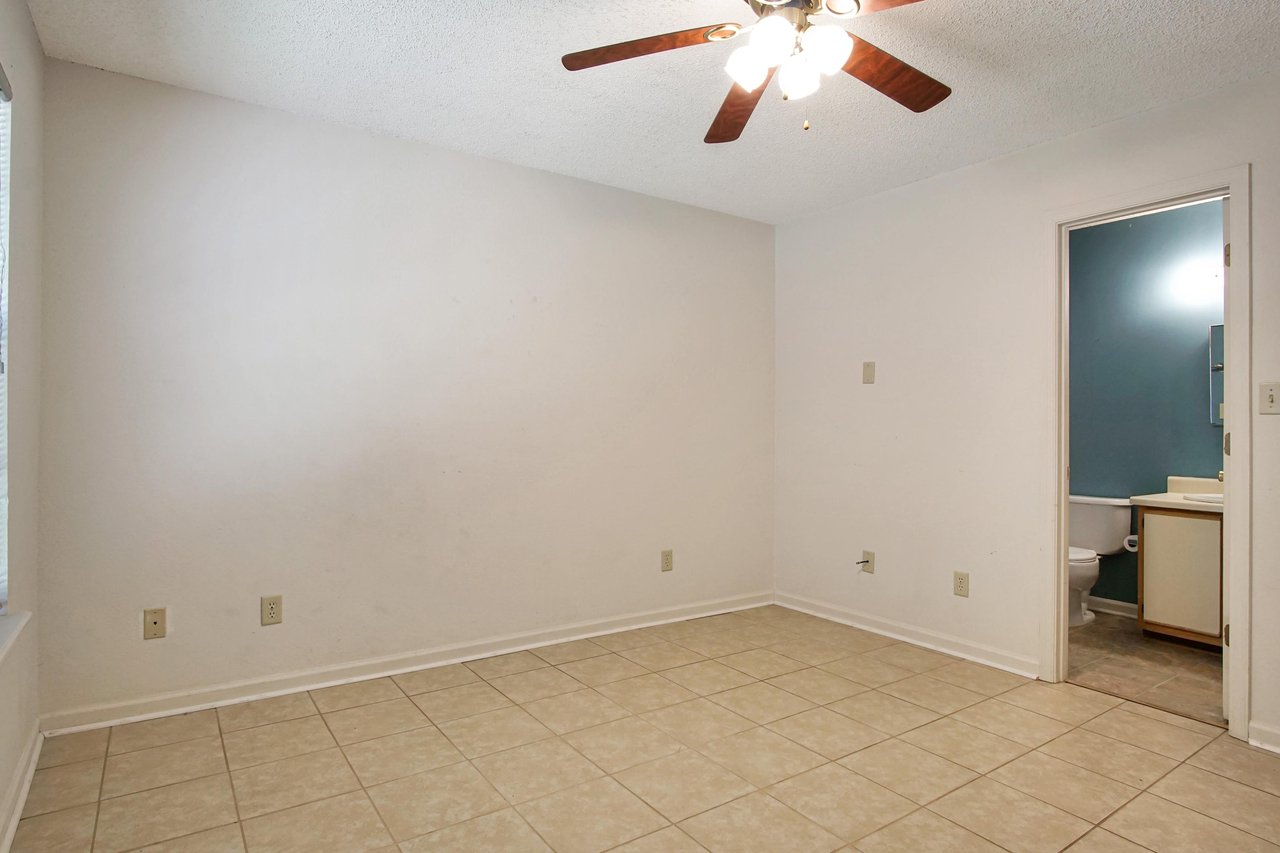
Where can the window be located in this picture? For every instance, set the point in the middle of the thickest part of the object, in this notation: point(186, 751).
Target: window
point(5, 99)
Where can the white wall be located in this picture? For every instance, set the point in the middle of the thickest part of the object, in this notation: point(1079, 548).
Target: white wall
point(949, 461)
point(23, 59)
point(428, 398)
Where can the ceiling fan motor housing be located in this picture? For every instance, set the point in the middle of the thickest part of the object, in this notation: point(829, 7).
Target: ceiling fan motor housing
point(803, 7)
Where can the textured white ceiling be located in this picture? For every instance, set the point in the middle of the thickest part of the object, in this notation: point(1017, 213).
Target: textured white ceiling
point(485, 77)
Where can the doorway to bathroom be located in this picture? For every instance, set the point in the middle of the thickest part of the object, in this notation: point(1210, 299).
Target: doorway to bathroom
point(1146, 302)
point(1154, 387)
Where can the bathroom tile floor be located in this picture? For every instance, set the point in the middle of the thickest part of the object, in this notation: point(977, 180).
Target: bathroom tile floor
point(1110, 654)
point(763, 730)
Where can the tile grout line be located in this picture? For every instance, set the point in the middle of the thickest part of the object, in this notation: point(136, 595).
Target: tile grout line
point(382, 821)
point(532, 828)
point(364, 789)
point(1138, 701)
point(1027, 752)
point(632, 715)
point(796, 635)
point(754, 726)
point(1186, 762)
point(1135, 746)
point(97, 807)
point(466, 759)
point(1206, 816)
point(1219, 775)
point(103, 799)
point(1125, 648)
point(235, 798)
point(509, 804)
point(1141, 791)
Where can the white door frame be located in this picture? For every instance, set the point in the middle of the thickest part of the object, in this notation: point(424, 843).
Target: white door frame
point(1238, 397)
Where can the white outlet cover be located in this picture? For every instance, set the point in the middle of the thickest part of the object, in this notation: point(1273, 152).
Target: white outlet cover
point(868, 373)
point(272, 609)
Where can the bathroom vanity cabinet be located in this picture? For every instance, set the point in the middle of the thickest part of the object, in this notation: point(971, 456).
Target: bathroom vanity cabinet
point(1180, 573)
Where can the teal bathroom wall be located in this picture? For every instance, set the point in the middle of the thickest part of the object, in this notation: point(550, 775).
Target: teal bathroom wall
point(1143, 294)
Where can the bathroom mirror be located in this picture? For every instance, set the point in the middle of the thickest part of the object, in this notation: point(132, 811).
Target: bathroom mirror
point(1216, 372)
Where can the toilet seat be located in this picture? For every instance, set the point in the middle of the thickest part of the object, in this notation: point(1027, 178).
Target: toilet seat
point(1081, 555)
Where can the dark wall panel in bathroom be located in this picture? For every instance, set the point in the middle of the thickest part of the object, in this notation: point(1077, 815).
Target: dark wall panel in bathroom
point(1144, 293)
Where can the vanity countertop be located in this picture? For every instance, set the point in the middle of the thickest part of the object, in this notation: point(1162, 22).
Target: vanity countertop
point(1175, 500)
point(1178, 490)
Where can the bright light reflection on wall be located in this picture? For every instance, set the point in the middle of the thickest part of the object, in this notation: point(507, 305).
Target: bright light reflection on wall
point(1196, 284)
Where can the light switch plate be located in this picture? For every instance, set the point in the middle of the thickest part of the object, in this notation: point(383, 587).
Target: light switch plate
point(1269, 398)
point(868, 373)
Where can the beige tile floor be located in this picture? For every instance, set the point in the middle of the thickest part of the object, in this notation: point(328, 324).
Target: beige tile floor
point(765, 730)
point(1110, 654)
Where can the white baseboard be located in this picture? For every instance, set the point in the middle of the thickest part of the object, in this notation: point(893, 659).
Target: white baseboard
point(1115, 608)
point(1264, 737)
point(180, 702)
point(18, 786)
point(914, 634)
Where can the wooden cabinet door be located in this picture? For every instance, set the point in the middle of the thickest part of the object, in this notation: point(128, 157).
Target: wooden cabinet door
point(1181, 561)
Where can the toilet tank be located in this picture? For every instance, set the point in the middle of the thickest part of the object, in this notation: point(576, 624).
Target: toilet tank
point(1100, 524)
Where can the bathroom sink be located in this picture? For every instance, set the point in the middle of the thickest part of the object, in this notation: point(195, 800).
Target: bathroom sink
point(1184, 493)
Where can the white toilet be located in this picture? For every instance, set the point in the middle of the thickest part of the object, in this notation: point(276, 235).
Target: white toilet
point(1096, 526)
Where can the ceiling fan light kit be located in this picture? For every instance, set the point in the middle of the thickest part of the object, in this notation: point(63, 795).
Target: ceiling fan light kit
point(842, 8)
point(827, 46)
point(784, 40)
point(798, 77)
point(748, 67)
point(774, 36)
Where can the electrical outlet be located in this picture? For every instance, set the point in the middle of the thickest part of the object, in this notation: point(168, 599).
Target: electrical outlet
point(668, 561)
point(272, 609)
point(154, 623)
point(868, 373)
point(868, 563)
point(960, 584)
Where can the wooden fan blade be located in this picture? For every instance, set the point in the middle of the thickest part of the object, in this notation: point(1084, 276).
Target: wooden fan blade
point(869, 6)
point(645, 46)
point(889, 75)
point(736, 111)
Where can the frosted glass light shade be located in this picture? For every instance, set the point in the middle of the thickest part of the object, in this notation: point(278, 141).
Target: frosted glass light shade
point(747, 67)
point(798, 77)
point(827, 46)
point(775, 38)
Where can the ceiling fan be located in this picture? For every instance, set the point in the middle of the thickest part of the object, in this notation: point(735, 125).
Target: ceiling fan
point(784, 40)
